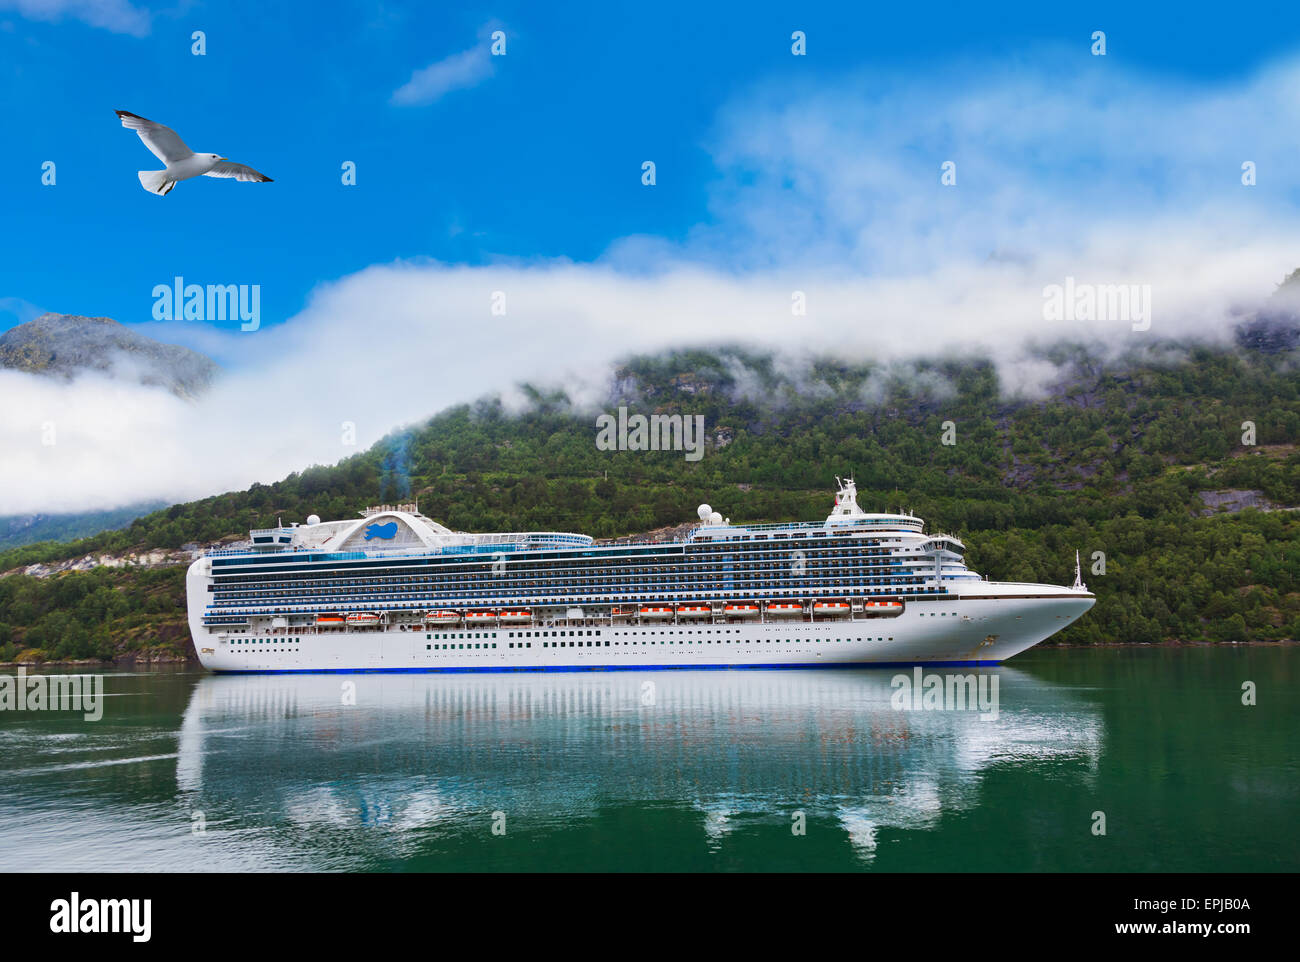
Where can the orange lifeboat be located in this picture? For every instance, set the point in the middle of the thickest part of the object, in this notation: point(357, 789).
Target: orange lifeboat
point(877, 608)
point(442, 617)
point(480, 617)
point(784, 609)
point(329, 619)
point(694, 611)
point(363, 618)
point(656, 612)
point(741, 610)
point(523, 616)
point(831, 608)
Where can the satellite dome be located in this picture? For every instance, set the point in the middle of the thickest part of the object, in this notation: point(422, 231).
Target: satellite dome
point(313, 519)
point(704, 511)
point(715, 518)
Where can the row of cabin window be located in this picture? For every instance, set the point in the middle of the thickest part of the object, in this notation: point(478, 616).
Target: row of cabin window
point(570, 644)
point(478, 596)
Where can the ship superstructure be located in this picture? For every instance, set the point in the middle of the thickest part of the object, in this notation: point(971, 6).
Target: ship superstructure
point(397, 591)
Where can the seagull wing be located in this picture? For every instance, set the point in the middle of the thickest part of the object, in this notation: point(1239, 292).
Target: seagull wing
point(162, 141)
point(226, 168)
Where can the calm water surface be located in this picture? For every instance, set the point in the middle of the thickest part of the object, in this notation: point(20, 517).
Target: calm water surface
point(668, 771)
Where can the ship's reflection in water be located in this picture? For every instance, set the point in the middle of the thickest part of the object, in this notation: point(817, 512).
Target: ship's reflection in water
point(381, 771)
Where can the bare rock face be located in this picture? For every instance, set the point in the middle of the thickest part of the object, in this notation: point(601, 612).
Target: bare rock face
point(65, 345)
point(153, 558)
point(1233, 500)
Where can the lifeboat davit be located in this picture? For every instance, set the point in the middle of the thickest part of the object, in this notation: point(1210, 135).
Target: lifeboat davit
point(480, 617)
point(363, 618)
point(694, 611)
point(831, 608)
point(741, 611)
point(874, 609)
point(523, 616)
point(442, 617)
point(784, 609)
point(329, 619)
point(656, 612)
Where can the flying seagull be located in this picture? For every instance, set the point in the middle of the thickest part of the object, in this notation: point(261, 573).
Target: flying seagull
point(182, 163)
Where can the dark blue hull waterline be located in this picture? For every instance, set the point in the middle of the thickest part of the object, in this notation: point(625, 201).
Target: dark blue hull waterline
point(523, 668)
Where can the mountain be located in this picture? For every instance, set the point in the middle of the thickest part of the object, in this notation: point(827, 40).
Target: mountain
point(65, 345)
point(18, 530)
point(1275, 327)
point(1187, 524)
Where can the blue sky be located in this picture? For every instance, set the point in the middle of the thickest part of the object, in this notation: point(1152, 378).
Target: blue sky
point(540, 159)
point(780, 179)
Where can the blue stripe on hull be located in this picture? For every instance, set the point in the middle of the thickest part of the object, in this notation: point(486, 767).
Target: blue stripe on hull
point(441, 671)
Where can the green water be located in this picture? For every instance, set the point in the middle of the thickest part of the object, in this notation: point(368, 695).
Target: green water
point(668, 771)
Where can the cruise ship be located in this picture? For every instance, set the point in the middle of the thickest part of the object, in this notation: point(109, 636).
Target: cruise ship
point(396, 591)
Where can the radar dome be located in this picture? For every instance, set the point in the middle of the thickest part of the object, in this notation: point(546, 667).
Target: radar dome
point(313, 519)
point(704, 511)
point(715, 518)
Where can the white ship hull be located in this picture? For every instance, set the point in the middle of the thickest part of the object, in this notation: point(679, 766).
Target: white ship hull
point(988, 626)
point(395, 591)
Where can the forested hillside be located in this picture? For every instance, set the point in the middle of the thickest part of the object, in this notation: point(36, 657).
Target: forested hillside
point(1127, 457)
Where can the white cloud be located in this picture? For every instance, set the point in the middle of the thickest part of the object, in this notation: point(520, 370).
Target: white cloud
point(833, 194)
point(457, 72)
point(850, 173)
point(15, 310)
point(118, 16)
point(393, 344)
